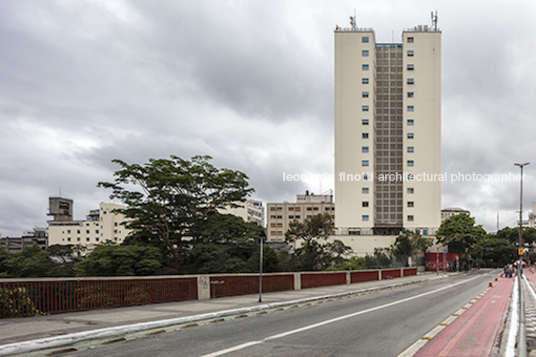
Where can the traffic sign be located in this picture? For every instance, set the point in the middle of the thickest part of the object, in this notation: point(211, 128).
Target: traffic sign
point(521, 251)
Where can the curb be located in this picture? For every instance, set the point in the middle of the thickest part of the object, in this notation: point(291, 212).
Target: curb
point(69, 339)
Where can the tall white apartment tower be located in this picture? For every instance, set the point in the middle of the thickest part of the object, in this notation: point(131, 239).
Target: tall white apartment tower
point(387, 132)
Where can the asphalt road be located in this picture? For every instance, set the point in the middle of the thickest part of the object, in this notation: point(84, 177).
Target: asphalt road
point(382, 324)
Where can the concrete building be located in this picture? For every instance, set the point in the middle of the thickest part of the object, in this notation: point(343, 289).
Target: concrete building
point(249, 211)
point(531, 222)
point(61, 209)
point(37, 236)
point(452, 211)
point(279, 215)
point(99, 226)
point(387, 132)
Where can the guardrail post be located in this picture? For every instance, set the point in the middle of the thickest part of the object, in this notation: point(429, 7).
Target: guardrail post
point(203, 287)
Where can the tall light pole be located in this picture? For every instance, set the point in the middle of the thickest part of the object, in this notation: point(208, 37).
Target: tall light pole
point(262, 238)
point(521, 243)
point(522, 339)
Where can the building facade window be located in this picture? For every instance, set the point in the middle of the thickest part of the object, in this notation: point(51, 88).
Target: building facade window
point(364, 204)
point(365, 190)
point(411, 67)
point(410, 53)
point(364, 136)
point(411, 149)
point(411, 204)
point(364, 80)
point(365, 67)
point(364, 53)
point(410, 122)
point(411, 81)
point(411, 95)
point(410, 190)
point(411, 163)
point(365, 94)
point(364, 163)
point(410, 218)
point(410, 39)
point(365, 108)
point(365, 217)
point(411, 108)
point(365, 149)
point(410, 135)
point(364, 39)
point(364, 121)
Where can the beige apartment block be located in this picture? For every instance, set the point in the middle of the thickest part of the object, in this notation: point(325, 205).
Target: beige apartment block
point(387, 132)
point(452, 211)
point(100, 225)
point(250, 211)
point(279, 215)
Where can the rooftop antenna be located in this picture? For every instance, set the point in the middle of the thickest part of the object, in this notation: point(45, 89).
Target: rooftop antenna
point(353, 20)
point(60, 191)
point(434, 20)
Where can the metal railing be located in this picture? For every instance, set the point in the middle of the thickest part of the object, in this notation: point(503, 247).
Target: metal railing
point(39, 296)
point(18, 299)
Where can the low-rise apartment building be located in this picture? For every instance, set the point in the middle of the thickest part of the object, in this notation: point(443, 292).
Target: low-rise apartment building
point(279, 215)
point(99, 226)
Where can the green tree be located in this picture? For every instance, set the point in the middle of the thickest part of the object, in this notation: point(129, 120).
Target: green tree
point(409, 244)
point(512, 234)
point(207, 258)
point(354, 263)
point(30, 262)
point(228, 228)
point(381, 258)
point(338, 250)
point(66, 256)
point(312, 234)
point(460, 233)
point(168, 199)
point(494, 252)
point(269, 260)
point(113, 260)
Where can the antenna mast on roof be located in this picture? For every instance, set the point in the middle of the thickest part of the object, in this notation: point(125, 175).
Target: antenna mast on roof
point(434, 20)
point(353, 21)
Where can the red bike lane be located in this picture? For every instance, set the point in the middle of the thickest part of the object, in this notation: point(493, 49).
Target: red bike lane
point(474, 332)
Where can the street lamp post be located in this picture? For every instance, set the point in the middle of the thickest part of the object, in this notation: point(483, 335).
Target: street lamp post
point(262, 238)
point(521, 243)
point(521, 342)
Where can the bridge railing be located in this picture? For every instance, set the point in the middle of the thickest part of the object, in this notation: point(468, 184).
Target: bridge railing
point(36, 296)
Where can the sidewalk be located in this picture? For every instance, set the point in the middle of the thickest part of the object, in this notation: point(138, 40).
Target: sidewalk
point(18, 330)
point(477, 331)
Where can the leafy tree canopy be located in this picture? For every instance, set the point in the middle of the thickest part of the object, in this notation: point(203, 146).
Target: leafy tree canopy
point(494, 252)
point(168, 199)
point(512, 234)
point(460, 233)
point(410, 243)
point(314, 253)
point(313, 228)
point(112, 260)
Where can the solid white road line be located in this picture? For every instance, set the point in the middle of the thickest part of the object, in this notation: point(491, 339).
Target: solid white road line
point(284, 334)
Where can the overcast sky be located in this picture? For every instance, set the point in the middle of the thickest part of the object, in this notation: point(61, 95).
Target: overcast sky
point(249, 83)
